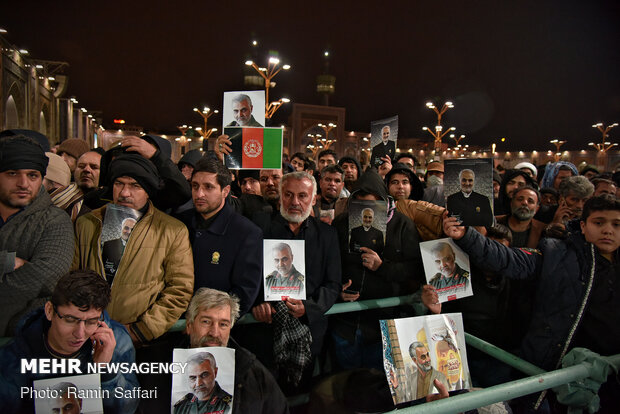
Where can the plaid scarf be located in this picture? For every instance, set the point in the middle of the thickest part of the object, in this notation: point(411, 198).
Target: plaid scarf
point(291, 343)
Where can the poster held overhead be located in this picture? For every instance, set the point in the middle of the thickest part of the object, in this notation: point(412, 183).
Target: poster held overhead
point(468, 189)
point(383, 136)
point(254, 148)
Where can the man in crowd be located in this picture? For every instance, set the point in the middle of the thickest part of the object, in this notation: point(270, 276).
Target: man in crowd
point(403, 183)
point(450, 273)
point(72, 324)
point(210, 317)
point(433, 193)
point(299, 161)
point(376, 270)
point(157, 261)
point(574, 191)
point(249, 182)
point(188, 161)
point(57, 174)
point(86, 176)
point(325, 158)
point(352, 170)
point(406, 159)
point(385, 148)
point(206, 395)
point(71, 150)
point(283, 342)
point(526, 231)
point(331, 185)
point(527, 168)
point(242, 112)
point(228, 248)
point(604, 186)
point(473, 208)
point(36, 238)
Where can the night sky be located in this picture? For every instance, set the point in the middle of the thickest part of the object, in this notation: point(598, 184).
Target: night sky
point(529, 71)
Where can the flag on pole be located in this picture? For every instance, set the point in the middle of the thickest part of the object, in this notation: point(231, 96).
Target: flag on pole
point(254, 148)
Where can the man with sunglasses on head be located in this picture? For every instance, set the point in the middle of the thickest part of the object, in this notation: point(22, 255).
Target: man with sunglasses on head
point(73, 324)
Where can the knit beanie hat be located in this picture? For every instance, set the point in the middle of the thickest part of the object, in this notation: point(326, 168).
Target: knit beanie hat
point(74, 147)
point(137, 167)
point(22, 153)
point(35, 135)
point(58, 170)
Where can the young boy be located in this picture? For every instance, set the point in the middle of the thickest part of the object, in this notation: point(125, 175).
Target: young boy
point(577, 279)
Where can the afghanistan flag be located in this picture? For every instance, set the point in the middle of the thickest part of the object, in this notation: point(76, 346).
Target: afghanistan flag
point(254, 148)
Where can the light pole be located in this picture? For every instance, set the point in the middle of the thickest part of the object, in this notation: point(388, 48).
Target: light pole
point(183, 139)
point(205, 132)
point(457, 140)
point(557, 144)
point(438, 134)
point(604, 146)
point(268, 73)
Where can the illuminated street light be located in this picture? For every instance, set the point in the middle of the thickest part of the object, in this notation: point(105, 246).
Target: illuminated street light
point(557, 144)
point(604, 145)
point(268, 74)
point(437, 134)
point(205, 132)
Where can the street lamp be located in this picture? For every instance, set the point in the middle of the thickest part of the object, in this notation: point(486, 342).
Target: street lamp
point(268, 73)
point(457, 140)
point(438, 134)
point(604, 146)
point(205, 133)
point(557, 144)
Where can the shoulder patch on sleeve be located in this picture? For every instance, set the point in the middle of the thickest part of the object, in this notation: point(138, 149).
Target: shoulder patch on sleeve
point(530, 251)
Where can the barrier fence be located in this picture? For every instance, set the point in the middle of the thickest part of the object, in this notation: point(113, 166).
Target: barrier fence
point(537, 381)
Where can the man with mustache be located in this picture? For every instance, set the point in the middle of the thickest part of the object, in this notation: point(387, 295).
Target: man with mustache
point(36, 238)
point(304, 320)
point(86, 176)
point(210, 316)
point(450, 273)
point(526, 231)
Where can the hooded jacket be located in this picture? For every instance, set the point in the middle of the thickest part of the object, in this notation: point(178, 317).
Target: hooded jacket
point(42, 235)
point(399, 274)
point(155, 277)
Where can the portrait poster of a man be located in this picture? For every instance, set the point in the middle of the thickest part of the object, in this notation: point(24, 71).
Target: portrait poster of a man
point(207, 383)
point(367, 225)
point(284, 269)
point(244, 109)
point(383, 136)
point(468, 188)
point(420, 352)
point(446, 268)
point(118, 223)
point(70, 395)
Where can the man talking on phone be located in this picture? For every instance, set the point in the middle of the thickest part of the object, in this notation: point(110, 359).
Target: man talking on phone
point(72, 325)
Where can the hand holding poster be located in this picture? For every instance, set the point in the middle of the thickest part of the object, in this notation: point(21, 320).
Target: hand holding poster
point(446, 268)
point(419, 350)
point(284, 269)
point(208, 382)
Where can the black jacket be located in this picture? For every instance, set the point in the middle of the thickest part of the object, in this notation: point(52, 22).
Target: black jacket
point(400, 273)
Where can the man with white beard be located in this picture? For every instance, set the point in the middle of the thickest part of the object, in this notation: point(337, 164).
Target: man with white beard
point(268, 340)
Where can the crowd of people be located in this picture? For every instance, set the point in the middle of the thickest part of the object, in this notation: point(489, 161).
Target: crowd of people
point(544, 274)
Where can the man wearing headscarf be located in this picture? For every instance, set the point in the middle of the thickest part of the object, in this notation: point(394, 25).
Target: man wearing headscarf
point(154, 280)
point(36, 238)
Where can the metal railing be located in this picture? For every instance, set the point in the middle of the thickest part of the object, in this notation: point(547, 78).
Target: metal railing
point(537, 381)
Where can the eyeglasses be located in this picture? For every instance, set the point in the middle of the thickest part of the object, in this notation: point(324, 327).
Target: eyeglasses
point(72, 320)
